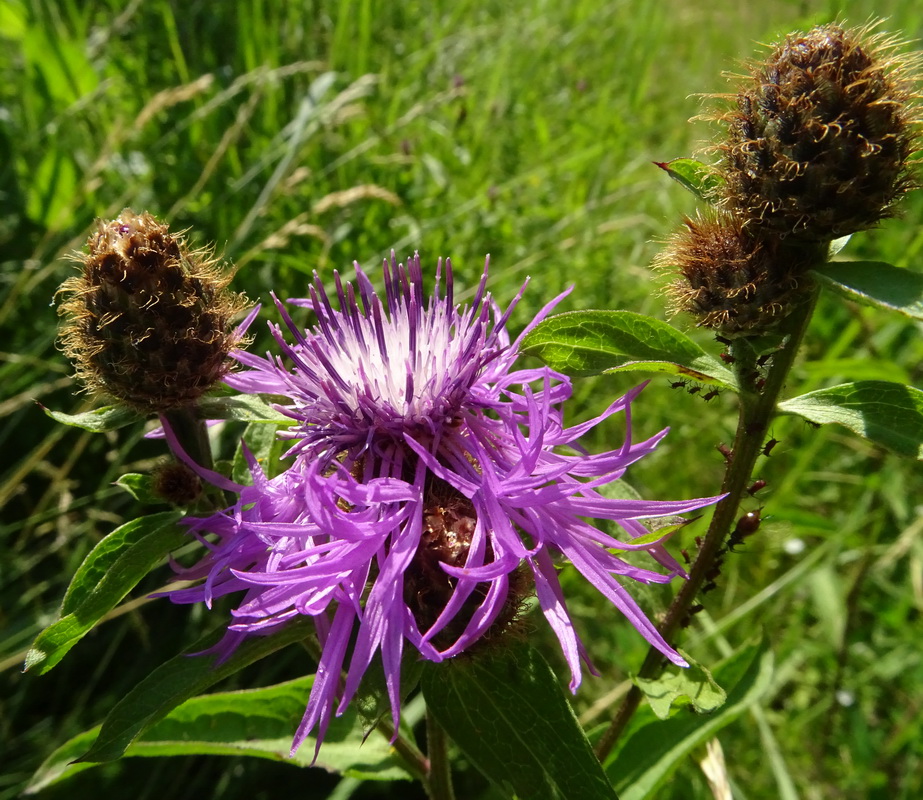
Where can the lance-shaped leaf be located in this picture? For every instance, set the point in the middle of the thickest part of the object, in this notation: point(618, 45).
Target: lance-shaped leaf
point(99, 420)
point(704, 181)
point(593, 342)
point(111, 570)
point(652, 749)
point(876, 283)
point(243, 408)
point(256, 722)
point(509, 716)
point(889, 414)
point(179, 679)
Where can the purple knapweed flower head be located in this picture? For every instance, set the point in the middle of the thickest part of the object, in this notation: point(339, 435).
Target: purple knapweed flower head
point(432, 487)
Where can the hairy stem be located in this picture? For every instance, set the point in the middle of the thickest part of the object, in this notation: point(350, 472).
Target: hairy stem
point(757, 407)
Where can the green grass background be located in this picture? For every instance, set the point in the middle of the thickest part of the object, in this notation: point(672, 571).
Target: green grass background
point(304, 136)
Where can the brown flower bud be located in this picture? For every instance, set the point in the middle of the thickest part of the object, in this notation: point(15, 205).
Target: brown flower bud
point(176, 483)
point(729, 279)
point(148, 321)
point(820, 142)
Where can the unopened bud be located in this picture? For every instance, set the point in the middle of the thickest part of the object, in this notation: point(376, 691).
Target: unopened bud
point(148, 321)
point(822, 135)
point(729, 279)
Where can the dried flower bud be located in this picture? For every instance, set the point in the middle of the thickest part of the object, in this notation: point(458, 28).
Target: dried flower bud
point(148, 320)
point(820, 142)
point(448, 528)
point(729, 279)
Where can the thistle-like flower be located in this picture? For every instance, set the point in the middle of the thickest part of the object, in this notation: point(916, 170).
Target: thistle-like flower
point(432, 487)
point(148, 319)
point(820, 142)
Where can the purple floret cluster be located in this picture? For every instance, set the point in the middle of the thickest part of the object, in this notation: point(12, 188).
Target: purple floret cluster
point(431, 486)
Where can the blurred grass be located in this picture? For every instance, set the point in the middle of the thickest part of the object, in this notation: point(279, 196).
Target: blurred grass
point(303, 136)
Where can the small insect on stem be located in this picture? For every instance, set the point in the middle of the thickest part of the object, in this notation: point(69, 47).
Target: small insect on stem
point(767, 448)
point(746, 526)
point(710, 395)
point(694, 389)
point(678, 384)
point(727, 358)
point(754, 487)
point(726, 452)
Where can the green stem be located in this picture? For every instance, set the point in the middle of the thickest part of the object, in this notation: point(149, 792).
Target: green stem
point(417, 764)
point(440, 773)
point(192, 433)
point(756, 411)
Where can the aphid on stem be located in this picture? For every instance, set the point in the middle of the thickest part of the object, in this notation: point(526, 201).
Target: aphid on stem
point(746, 526)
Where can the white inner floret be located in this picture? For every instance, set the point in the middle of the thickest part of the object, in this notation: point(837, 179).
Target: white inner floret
point(405, 364)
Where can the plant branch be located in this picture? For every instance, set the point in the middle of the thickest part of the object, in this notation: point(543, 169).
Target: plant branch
point(757, 408)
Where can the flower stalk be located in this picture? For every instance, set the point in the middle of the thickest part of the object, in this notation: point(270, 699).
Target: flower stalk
point(440, 771)
point(755, 414)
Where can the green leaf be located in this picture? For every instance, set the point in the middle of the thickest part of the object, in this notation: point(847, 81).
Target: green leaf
point(99, 420)
point(716, 375)
point(508, 715)
point(179, 679)
point(264, 443)
point(678, 687)
point(704, 181)
point(652, 749)
point(257, 722)
point(876, 283)
point(140, 487)
point(889, 414)
point(243, 408)
point(111, 570)
point(592, 342)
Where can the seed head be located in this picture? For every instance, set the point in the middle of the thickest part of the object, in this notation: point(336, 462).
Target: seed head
point(728, 278)
point(820, 142)
point(148, 321)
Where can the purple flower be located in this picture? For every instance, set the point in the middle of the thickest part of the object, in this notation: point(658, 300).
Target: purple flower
point(433, 486)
